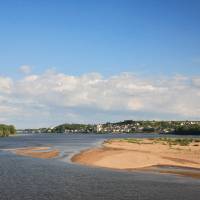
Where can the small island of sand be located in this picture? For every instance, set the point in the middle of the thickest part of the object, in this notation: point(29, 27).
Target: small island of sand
point(143, 153)
point(36, 152)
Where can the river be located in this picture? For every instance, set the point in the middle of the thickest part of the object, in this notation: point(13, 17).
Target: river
point(25, 178)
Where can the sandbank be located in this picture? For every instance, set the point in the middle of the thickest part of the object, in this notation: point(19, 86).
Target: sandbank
point(37, 152)
point(131, 154)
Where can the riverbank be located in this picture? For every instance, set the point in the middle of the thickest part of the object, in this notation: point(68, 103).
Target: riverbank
point(129, 154)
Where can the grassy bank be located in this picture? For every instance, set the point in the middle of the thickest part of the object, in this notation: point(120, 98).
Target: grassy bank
point(164, 141)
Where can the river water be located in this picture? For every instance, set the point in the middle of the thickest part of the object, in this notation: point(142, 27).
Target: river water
point(25, 178)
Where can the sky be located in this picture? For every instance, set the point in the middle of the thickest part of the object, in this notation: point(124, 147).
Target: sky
point(74, 61)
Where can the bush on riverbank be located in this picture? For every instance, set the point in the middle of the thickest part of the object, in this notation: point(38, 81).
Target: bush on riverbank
point(6, 130)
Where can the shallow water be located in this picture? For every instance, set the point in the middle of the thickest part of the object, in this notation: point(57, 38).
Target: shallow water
point(31, 178)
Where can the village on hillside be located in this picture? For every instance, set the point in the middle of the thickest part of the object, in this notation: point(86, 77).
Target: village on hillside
point(127, 126)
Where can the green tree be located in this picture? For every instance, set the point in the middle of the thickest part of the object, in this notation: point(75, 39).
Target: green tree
point(6, 130)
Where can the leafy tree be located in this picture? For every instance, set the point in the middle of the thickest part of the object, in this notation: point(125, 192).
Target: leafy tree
point(6, 130)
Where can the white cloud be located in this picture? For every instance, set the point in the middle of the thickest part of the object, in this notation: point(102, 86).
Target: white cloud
point(25, 69)
point(50, 98)
point(5, 84)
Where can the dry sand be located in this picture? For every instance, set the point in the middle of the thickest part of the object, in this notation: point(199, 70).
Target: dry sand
point(119, 154)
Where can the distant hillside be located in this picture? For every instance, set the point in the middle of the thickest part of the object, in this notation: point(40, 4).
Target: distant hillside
point(192, 129)
point(127, 126)
point(73, 128)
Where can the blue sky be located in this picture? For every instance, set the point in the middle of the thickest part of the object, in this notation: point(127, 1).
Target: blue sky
point(97, 61)
point(109, 37)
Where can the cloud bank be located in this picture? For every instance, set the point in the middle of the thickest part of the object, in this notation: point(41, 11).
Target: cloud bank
point(25, 69)
point(52, 98)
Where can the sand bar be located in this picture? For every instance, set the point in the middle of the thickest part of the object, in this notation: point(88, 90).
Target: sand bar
point(37, 152)
point(141, 154)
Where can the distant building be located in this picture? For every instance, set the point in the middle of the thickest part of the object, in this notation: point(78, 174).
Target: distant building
point(99, 127)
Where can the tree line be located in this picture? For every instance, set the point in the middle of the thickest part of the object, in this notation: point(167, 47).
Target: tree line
point(6, 130)
point(193, 129)
point(72, 127)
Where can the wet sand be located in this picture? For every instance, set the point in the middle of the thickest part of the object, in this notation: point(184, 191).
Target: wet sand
point(37, 152)
point(144, 155)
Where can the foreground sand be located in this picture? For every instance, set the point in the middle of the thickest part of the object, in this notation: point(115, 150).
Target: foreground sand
point(121, 154)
